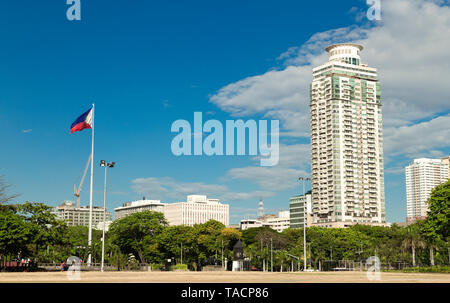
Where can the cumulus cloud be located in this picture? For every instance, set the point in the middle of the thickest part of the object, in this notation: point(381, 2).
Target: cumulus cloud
point(169, 188)
point(409, 47)
point(419, 140)
point(294, 162)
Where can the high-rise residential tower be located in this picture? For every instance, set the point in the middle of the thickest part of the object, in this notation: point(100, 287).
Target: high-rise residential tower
point(446, 161)
point(421, 177)
point(346, 141)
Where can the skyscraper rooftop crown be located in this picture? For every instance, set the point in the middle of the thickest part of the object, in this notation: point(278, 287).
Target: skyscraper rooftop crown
point(348, 52)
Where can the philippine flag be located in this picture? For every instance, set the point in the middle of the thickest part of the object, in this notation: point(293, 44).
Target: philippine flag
point(82, 122)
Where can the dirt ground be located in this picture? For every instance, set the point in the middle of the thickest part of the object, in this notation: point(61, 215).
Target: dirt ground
point(225, 277)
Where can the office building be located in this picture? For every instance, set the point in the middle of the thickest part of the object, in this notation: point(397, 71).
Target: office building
point(250, 223)
point(297, 211)
point(196, 210)
point(80, 216)
point(138, 206)
point(278, 223)
point(421, 177)
point(346, 141)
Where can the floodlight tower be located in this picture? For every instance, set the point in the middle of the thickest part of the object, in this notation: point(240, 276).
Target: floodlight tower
point(260, 208)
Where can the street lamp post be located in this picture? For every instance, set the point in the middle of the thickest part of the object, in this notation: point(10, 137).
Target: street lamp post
point(106, 165)
point(304, 220)
point(271, 255)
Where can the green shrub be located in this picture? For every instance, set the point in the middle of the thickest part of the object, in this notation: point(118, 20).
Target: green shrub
point(156, 266)
point(179, 267)
point(426, 269)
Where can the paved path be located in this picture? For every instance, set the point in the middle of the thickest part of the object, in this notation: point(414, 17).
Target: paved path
point(226, 277)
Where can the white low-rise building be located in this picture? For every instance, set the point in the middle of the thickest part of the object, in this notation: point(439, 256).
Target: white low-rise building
point(250, 223)
point(278, 223)
point(138, 206)
point(196, 210)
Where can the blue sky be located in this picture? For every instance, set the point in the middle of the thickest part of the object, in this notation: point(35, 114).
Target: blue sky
point(146, 64)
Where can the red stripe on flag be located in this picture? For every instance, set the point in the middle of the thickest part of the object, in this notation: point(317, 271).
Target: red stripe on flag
point(79, 126)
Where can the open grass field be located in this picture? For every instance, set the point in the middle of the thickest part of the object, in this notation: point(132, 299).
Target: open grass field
point(224, 277)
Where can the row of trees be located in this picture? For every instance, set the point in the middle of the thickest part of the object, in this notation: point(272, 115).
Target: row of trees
point(31, 230)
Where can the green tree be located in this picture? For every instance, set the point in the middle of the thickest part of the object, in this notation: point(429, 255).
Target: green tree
point(178, 241)
point(436, 228)
point(44, 228)
point(413, 239)
point(138, 234)
point(208, 239)
point(15, 234)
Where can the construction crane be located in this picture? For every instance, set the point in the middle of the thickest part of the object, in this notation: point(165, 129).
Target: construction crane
point(76, 192)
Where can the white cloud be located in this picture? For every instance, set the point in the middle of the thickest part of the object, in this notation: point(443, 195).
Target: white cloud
point(294, 162)
point(409, 47)
point(169, 188)
point(419, 140)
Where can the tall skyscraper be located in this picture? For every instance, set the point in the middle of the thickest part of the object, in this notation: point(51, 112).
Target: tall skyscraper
point(346, 141)
point(421, 177)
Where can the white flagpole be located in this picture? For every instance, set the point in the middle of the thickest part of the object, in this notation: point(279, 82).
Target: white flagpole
point(90, 195)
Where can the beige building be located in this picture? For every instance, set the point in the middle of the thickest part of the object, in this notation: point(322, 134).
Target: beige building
point(278, 223)
point(250, 223)
point(196, 210)
point(421, 177)
point(138, 206)
point(446, 161)
point(80, 216)
point(346, 141)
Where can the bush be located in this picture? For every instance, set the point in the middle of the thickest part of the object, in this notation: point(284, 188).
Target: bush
point(427, 269)
point(156, 266)
point(436, 269)
point(179, 267)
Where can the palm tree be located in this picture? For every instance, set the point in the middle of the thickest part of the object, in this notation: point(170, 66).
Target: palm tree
point(413, 239)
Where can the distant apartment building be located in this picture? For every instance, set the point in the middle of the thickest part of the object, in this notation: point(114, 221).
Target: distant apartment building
point(421, 177)
point(74, 216)
point(196, 210)
point(138, 206)
point(278, 223)
point(446, 161)
point(297, 211)
point(250, 223)
point(346, 141)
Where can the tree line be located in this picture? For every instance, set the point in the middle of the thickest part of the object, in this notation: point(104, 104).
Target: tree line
point(31, 230)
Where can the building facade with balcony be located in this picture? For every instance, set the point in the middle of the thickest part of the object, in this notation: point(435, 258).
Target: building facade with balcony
point(74, 216)
point(196, 210)
point(138, 206)
point(421, 177)
point(297, 212)
point(346, 141)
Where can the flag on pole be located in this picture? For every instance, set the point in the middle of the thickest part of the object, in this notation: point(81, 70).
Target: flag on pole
point(82, 122)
